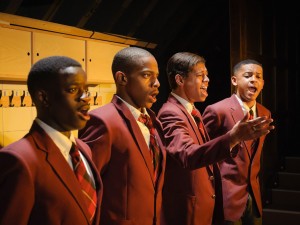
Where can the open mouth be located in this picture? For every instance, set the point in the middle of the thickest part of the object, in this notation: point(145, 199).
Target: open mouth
point(204, 91)
point(153, 96)
point(252, 89)
point(84, 112)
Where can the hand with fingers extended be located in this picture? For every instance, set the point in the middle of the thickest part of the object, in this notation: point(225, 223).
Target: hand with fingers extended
point(247, 129)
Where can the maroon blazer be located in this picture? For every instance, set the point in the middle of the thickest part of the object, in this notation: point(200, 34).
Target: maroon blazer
point(192, 183)
point(121, 154)
point(220, 118)
point(38, 186)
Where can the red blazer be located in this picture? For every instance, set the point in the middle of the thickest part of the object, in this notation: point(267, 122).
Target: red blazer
point(122, 157)
point(38, 186)
point(189, 194)
point(219, 118)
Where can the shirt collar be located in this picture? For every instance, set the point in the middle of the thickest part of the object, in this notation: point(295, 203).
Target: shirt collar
point(135, 112)
point(245, 108)
point(187, 105)
point(61, 141)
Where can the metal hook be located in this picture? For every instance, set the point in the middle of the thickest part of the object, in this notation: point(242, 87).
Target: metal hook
point(0, 98)
point(95, 99)
point(10, 99)
point(22, 99)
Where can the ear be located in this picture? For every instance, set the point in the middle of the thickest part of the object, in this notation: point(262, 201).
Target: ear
point(121, 78)
point(233, 80)
point(179, 80)
point(42, 97)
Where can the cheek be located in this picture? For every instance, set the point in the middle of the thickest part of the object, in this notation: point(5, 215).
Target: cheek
point(140, 88)
point(198, 82)
point(192, 90)
point(195, 85)
point(66, 105)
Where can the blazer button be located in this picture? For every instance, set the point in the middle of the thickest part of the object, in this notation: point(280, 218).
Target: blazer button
point(211, 178)
point(213, 196)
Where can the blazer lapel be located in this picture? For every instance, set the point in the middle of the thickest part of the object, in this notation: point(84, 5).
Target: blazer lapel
point(136, 133)
point(173, 100)
point(59, 165)
point(160, 139)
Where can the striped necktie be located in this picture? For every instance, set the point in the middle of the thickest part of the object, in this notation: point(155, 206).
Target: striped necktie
point(86, 183)
point(251, 114)
point(153, 145)
point(197, 117)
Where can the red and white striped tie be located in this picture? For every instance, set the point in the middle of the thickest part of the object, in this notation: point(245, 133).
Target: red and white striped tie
point(154, 147)
point(86, 183)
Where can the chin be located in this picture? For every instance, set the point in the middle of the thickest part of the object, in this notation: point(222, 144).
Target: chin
point(202, 99)
point(149, 105)
point(81, 125)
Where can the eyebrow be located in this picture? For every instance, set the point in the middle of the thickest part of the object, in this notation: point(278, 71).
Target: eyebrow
point(252, 72)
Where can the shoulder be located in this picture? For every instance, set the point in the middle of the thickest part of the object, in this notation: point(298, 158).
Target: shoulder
point(22, 152)
point(223, 104)
point(170, 108)
point(262, 110)
point(20, 146)
point(83, 147)
point(98, 111)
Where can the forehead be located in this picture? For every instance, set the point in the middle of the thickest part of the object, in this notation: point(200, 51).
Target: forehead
point(72, 75)
point(251, 68)
point(71, 70)
point(199, 68)
point(147, 63)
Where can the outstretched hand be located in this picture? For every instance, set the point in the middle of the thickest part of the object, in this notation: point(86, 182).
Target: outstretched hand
point(247, 129)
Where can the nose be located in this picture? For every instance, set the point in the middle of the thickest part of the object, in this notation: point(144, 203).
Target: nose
point(206, 79)
point(253, 78)
point(85, 96)
point(156, 82)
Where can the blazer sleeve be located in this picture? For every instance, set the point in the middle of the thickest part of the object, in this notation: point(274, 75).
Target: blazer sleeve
point(213, 122)
point(15, 176)
point(214, 119)
point(183, 145)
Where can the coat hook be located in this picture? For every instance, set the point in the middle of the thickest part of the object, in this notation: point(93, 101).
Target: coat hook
point(95, 99)
point(11, 98)
point(22, 99)
point(0, 98)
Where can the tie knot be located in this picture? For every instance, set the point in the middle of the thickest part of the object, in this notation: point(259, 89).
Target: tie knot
point(74, 152)
point(145, 119)
point(195, 113)
point(251, 114)
point(74, 148)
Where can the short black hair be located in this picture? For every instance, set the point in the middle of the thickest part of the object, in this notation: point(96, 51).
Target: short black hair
point(45, 71)
point(244, 62)
point(127, 58)
point(181, 63)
